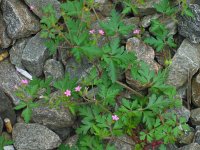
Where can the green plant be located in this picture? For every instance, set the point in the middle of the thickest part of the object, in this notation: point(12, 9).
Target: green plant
point(98, 98)
point(4, 142)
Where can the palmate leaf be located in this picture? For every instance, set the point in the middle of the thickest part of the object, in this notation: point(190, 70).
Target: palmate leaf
point(164, 7)
point(26, 114)
point(21, 105)
point(157, 43)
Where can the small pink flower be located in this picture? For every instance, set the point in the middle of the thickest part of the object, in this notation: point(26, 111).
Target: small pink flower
point(92, 31)
point(115, 117)
point(136, 31)
point(101, 32)
point(32, 7)
point(25, 82)
point(67, 93)
point(77, 89)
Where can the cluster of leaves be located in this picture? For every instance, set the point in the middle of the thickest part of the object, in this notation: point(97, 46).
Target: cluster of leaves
point(4, 142)
point(144, 117)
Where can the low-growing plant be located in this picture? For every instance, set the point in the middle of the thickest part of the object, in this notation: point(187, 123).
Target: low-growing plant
point(4, 142)
point(147, 117)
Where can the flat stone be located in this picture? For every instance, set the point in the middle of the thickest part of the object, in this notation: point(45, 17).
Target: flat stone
point(54, 69)
point(16, 52)
point(71, 141)
point(6, 108)
point(197, 135)
point(182, 112)
point(37, 6)
point(5, 41)
point(187, 59)
point(196, 90)
point(104, 7)
point(34, 55)
point(195, 116)
point(187, 137)
point(34, 137)
point(192, 146)
point(128, 143)
point(10, 147)
point(146, 20)
point(19, 20)
point(9, 78)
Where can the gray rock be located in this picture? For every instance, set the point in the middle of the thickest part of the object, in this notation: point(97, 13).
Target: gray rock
point(16, 52)
point(5, 41)
point(144, 53)
point(34, 137)
point(9, 78)
point(6, 109)
point(197, 135)
point(196, 90)
point(189, 27)
point(146, 20)
point(34, 55)
point(187, 138)
point(128, 143)
point(71, 141)
point(104, 6)
point(10, 147)
point(37, 6)
point(77, 70)
point(182, 112)
point(54, 69)
point(59, 120)
point(186, 60)
point(170, 25)
point(193, 146)
point(19, 20)
point(195, 116)
point(1, 125)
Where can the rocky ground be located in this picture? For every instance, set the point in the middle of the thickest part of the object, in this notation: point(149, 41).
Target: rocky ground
point(19, 35)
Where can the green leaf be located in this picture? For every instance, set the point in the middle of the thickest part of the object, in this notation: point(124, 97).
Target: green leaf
point(157, 43)
point(26, 114)
point(21, 105)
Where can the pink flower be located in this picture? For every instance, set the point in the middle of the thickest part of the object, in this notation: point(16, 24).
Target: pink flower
point(115, 117)
point(67, 93)
point(32, 7)
point(101, 32)
point(92, 31)
point(25, 82)
point(136, 31)
point(77, 89)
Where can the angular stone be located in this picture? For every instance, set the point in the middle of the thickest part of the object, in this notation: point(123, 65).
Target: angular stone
point(146, 20)
point(34, 55)
point(9, 78)
point(128, 143)
point(195, 116)
point(189, 27)
point(187, 59)
point(5, 41)
point(34, 137)
point(197, 135)
point(182, 112)
point(170, 25)
point(54, 69)
point(104, 7)
point(71, 141)
point(1, 125)
point(6, 109)
point(19, 20)
point(192, 146)
point(16, 52)
point(196, 90)
point(187, 137)
point(10, 147)
point(77, 70)
point(38, 6)
point(144, 53)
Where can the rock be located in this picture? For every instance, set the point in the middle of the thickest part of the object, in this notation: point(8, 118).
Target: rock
point(59, 120)
point(197, 135)
point(186, 59)
point(54, 69)
point(146, 20)
point(71, 141)
point(182, 112)
point(10, 147)
point(19, 20)
point(34, 137)
point(5, 41)
point(119, 145)
point(1, 125)
point(6, 109)
point(9, 78)
point(196, 90)
point(170, 25)
point(147, 8)
point(195, 116)
point(104, 6)
point(144, 53)
point(16, 52)
point(77, 70)
point(189, 27)
point(37, 6)
point(187, 138)
point(192, 146)
point(34, 55)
